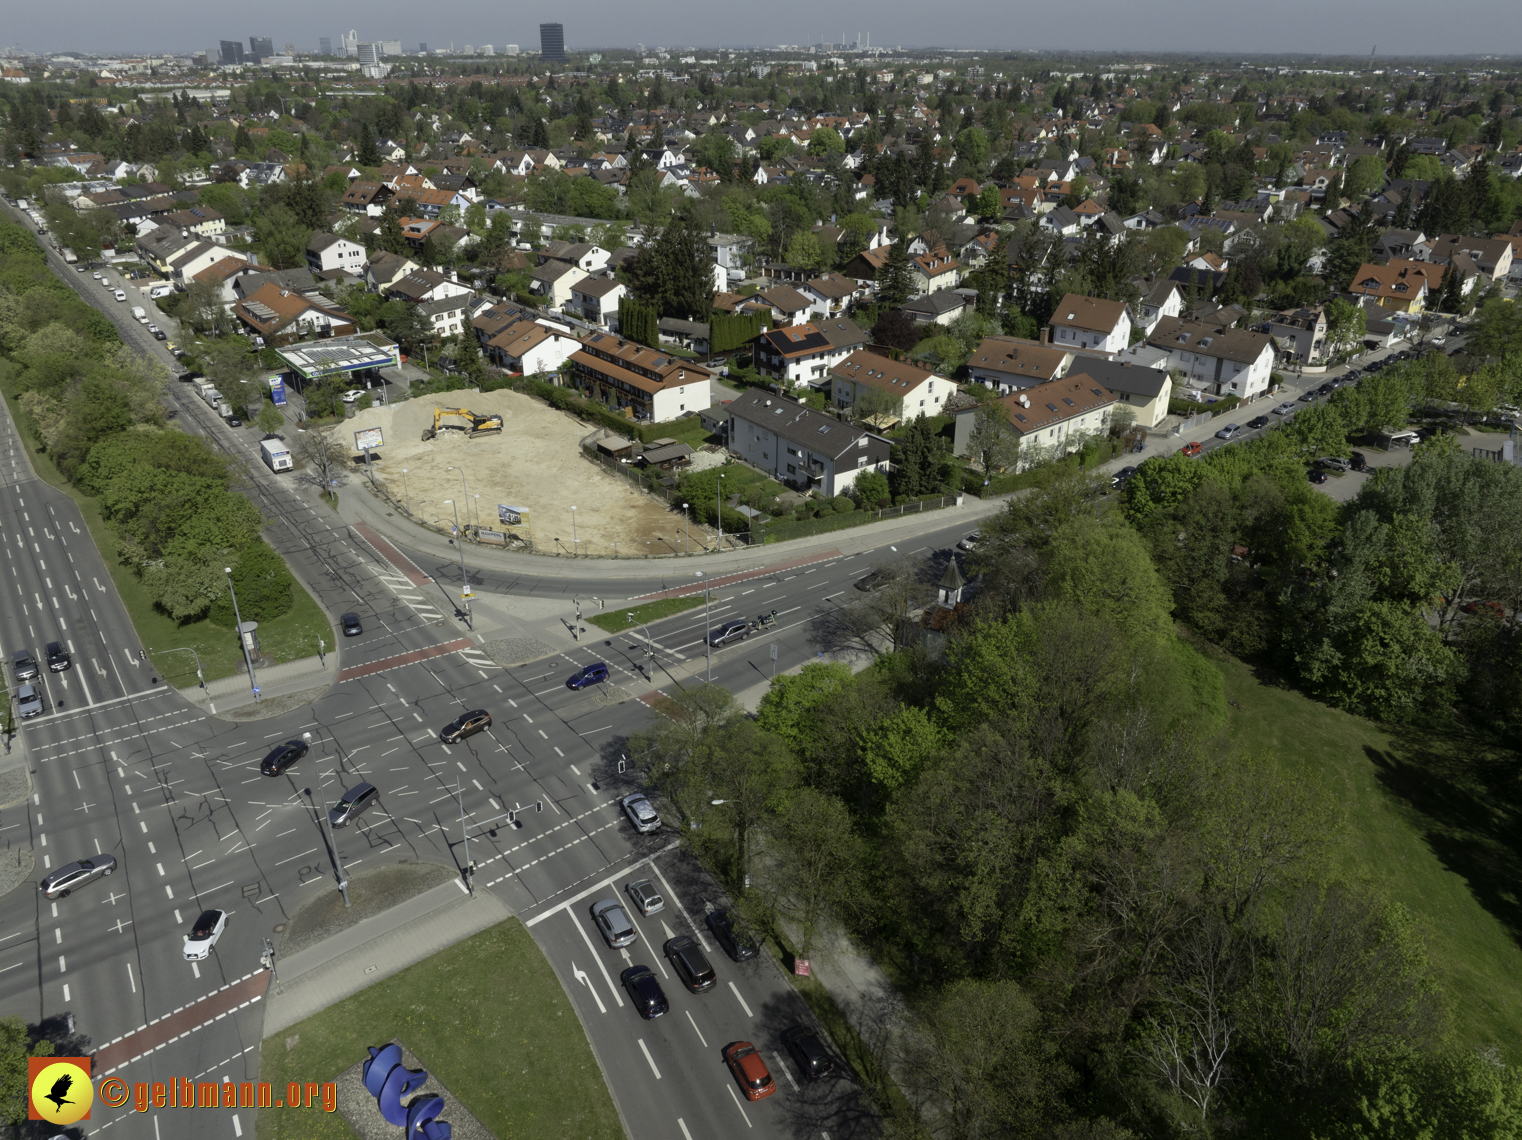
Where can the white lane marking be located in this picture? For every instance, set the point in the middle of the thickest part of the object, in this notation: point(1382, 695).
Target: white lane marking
point(735, 990)
point(646, 1051)
point(732, 1096)
point(786, 1072)
point(581, 976)
point(699, 1032)
point(605, 976)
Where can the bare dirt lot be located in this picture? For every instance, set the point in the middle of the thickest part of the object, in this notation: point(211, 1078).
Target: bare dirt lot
point(535, 464)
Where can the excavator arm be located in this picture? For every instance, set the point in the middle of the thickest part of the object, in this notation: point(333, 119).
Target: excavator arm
point(478, 423)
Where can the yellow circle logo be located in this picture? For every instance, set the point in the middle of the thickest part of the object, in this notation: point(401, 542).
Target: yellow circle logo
point(62, 1093)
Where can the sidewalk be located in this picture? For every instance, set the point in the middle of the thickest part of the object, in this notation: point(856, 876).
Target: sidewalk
point(274, 681)
point(376, 948)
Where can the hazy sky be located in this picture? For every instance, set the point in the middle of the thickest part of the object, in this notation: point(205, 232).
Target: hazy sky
point(1399, 27)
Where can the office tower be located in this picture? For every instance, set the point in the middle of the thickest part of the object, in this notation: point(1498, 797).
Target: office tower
point(422, 49)
point(389, 47)
point(486, 49)
point(510, 49)
point(552, 43)
point(260, 46)
point(232, 51)
point(350, 43)
point(367, 53)
point(324, 46)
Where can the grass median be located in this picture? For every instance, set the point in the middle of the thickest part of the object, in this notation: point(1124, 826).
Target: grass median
point(617, 621)
point(487, 1017)
point(1428, 819)
point(290, 636)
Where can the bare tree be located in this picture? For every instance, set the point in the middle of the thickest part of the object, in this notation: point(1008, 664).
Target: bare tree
point(323, 455)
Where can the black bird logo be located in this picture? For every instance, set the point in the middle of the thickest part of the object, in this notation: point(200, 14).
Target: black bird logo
point(60, 1093)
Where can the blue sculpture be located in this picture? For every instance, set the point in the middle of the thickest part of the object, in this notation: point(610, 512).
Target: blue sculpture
point(389, 1081)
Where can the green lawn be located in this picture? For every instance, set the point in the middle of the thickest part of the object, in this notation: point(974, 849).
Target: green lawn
point(1430, 819)
point(488, 1017)
point(688, 430)
point(617, 621)
point(286, 638)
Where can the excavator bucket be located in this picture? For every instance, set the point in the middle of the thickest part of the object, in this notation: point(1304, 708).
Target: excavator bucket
point(428, 433)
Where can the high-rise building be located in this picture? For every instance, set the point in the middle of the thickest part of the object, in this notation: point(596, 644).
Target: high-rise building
point(324, 46)
point(232, 51)
point(389, 47)
point(510, 49)
point(367, 53)
point(350, 43)
point(486, 49)
point(422, 49)
point(260, 46)
point(552, 43)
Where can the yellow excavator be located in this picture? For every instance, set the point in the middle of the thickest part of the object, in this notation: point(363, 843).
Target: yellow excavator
point(478, 424)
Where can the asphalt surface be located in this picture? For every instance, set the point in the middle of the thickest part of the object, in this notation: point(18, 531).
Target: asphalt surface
point(124, 765)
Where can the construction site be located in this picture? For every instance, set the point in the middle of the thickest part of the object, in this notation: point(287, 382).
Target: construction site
point(504, 448)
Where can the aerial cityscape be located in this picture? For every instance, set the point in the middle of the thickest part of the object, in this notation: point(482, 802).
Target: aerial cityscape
point(822, 591)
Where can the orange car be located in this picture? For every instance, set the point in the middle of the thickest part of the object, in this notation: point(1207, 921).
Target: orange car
point(749, 1069)
point(1190, 450)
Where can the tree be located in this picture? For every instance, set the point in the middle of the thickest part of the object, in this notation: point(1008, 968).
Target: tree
point(365, 153)
point(1104, 569)
point(816, 862)
point(990, 440)
point(826, 140)
point(804, 252)
point(1346, 324)
point(673, 271)
point(1497, 330)
point(871, 489)
point(896, 329)
point(918, 461)
point(269, 420)
point(283, 237)
point(746, 769)
point(16, 1045)
point(467, 356)
point(895, 283)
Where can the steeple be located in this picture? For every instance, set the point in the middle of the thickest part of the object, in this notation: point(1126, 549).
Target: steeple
point(949, 595)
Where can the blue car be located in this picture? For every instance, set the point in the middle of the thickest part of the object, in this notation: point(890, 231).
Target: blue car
point(591, 675)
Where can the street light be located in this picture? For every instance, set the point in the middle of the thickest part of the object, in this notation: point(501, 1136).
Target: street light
point(459, 541)
point(406, 495)
point(686, 542)
point(721, 513)
point(707, 630)
point(242, 634)
point(574, 548)
point(649, 644)
point(343, 880)
point(466, 491)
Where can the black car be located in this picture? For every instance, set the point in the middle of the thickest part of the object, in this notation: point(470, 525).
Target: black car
point(729, 631)
point(1123, 476)
point(351, 626)
point(58, 657)
point(282, 756)
point(812, 1057)
point(234, 421)
point(875, 580)
point(645, 992)
point(1316, 476)
point(690, 963)
point(1259, 422)
point(729, 931)
point(466, 724)
point(1356, 458)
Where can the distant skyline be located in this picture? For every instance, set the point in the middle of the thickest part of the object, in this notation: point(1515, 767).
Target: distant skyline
point(1312, 27)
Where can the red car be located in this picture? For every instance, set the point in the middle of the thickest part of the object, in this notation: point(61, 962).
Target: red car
point(749, 1069)
point(1487, 609)
point(1190, 450)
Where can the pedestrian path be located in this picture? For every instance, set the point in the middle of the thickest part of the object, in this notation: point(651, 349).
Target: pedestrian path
point(273, 681)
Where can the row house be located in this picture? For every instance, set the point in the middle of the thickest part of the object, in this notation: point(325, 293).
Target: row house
point(644, 384)
point(898, 388)
point(530, 347)
point(1217, 359)
point(281, 316)
point(1044, 420)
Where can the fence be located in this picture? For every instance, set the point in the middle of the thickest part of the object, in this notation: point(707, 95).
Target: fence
point(781, 530)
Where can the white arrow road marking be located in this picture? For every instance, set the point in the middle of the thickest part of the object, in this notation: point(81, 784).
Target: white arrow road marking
point(581, 976)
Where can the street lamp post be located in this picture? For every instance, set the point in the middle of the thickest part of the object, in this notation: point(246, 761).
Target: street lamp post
point(575, 548)
point(707, 629)
point(466, 492)
point(649, 644)
point(406, 494)
point(338, 862)
point(721, 513)
point(459, 540)
point(242, 637)
point(686, 542)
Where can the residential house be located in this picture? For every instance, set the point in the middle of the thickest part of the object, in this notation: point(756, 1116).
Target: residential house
point(1401, 285)
point(183, 266)
point(529, 347)
point(202, 221)
point(885, 389)
point(830, 295)
point(1164, 299)
point(1008, 363)
point(385, 269)
point(328, 253)
point(932, 272)
point(368, 198)
point(1048, 419)
point(804, 354)
point(788, 305)
point(940, 308)
point(1410, 244)
point(1300, 334)
point(643, 383)
point(1490, 257)
point(1089, 322)
point(281, 316)
point(1060, 221)
point(1146, 391)
point(553, 281)
point(693, 335)
point(251, 278)
point(1217, 359)
point(863, 268)
point(426, 285)
point(585, 256)
point(799, 446)
point(221, 275)
point(159, 244)
point(729, 250)
point(595, 300)
point(447, 315)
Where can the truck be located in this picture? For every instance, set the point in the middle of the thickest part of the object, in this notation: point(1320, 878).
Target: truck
point(211, 396)
point(138, 314)
point(69, 256)
point(203, 386)
point(224, 409)
point(22, 204)
point(277, 456)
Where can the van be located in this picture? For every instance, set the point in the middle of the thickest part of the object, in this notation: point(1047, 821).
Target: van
point(162, 289)
point(138, 313)
point(353, 804)
point(1403, 439)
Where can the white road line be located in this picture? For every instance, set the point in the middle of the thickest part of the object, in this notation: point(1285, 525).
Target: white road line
point(605, 976)
point(682, 1124)
point(646, 1051)
point(676, 902)
point(786, 1072)
point(732, 1096)
point(699, 1032)
point(736, 991)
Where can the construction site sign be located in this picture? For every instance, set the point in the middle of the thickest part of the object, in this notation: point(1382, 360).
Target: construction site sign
point(367, 438)
point(512, 516)
point(491, 537)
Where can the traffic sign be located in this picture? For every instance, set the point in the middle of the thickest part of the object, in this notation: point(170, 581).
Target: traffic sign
point(256, 690)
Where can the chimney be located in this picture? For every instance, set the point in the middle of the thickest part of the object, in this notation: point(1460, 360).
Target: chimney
point(1044, 334)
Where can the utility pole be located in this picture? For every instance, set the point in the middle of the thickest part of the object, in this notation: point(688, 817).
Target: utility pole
point(707, 628)
point(343, 878)
point(469, 874)
point(243, 634)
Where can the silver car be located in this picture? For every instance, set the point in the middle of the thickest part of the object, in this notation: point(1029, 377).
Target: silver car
point(641, 814)
point(28, 701)
point(66, 880)
point(647, 900)
point(613, 923)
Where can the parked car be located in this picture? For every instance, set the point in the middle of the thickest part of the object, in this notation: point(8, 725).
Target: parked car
point(1439, 340)
point(808, 1050)
point(353, 804)
point(58, 657)
point(690, 963)
point(593, 674)
point(749, 1069)
point(121, 295)
point(728, 632)
point(1258, 422)
point(60, 884)
point(645, 992)
point(158, 334)
point(613, 923)
point(1357, 461)
point(731, 933)
point(1309, 395)
point(1229, 431)
point(1123, 476)
point(28, 701)
point(353, 394)
point(641, 814)
point(1484, 609)
point(351, 626)
point(1316, 475)
point(466, 724)
point(204, 934)
point(1191, 449)
point(282, 756)
point(1285, 409)
point(1335, 463)
point(647, 900)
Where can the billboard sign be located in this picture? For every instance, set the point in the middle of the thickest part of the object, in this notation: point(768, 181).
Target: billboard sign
point(512, 516)
point(367, 438)
point(277, 390)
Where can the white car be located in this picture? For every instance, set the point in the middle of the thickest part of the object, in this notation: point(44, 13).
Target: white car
point(641, 814)
point(97, 276)
point(353, 394)
point(1439, 340)
point(1285, 409)
point(204, 934)
point(971, 541)
point(120, 295)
